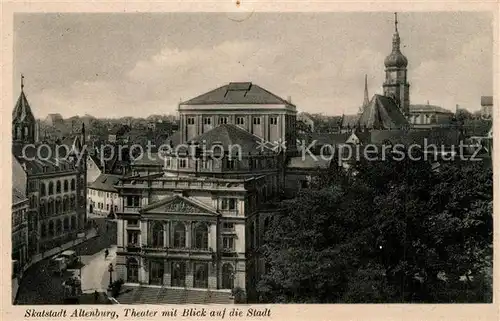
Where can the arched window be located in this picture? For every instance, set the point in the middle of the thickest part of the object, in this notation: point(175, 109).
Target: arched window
point(50, 207)
point(66, 224)
point(73, 222)
point(73, 184)
point(266, 224)
point(200, 275)
point(132, 270)
point(72, 203)
point(26, 132)
point(58, 187)
point(65, 185)
point(51, 228)
point(180, 235)
point(42, 189)
point(227, 276)
point(65, 204)
point(51, 188)
point(157, 235)
point(201, 236)
point(43, 231)
point(43, 208)
point(178, 274)
point(58, 227)
point(58, 206)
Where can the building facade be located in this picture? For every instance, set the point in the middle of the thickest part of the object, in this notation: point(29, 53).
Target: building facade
point(56, 181)
point(194, 223)
point(20, 205)
point(103, 198)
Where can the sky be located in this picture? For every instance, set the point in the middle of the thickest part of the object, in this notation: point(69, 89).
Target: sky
point(114, 65)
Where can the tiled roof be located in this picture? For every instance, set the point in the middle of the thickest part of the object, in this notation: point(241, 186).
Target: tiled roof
point(382, 113)
point(237, 93)
point(436, 136)
point(428, 108)
point(19, 181)
point(152, 159)
point(105, 182)
point(22, 110)
point(43, 160)
point(17, 196)
point(486, 100)
point(228, 135)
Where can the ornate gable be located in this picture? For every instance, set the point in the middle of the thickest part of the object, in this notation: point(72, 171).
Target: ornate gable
point(179, 204)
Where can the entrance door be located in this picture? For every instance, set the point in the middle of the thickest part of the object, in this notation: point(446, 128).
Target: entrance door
point(178, 274)
point(132, 270)
point(156, 272)
point(201, 275)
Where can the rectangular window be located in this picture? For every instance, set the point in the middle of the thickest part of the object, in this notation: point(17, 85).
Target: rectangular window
point(190, 120)
point(207, 121)
point(228, 243)
point(228, 204)
point(133, 222)
point(240, 121)
point(167, 162)
point(205, 164)
point(230, 164)
point(222, 120)
point(133, 238)
point(133, 201)
point(273, 120)
point(182, 163)
point(256, 120)
point(107, 207)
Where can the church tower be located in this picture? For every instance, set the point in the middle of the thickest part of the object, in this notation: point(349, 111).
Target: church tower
point(23, 121)
point(396, 85)
point(366, 99)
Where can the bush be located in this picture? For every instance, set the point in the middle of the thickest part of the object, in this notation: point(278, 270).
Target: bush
point(239, 295)
point(116, 287)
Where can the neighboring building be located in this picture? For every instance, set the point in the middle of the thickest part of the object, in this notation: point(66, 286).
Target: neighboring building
point(56, 186)
point(54, 120)
point(390, 110)
point(196, 222)
point(487, 106)
point(20, 206)
point(94, 167)
point(103, 198)
point(430, 116)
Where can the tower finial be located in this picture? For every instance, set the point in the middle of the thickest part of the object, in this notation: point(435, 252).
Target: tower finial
point(22, 82)
point(396, 21)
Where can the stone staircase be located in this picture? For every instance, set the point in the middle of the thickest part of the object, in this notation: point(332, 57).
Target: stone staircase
point(165, 295)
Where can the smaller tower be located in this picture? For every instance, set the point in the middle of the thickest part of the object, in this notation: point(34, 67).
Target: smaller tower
point(366, 100)
point(23, 121)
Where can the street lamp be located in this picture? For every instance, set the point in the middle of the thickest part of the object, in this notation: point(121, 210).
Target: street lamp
point(110, 270)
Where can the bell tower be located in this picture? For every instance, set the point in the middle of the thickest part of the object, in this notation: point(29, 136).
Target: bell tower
point(396, 84)
point(23, 121)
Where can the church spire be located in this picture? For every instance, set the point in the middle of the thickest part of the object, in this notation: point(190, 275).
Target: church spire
point(396, 59)
point(22, 82)
point(366, 100)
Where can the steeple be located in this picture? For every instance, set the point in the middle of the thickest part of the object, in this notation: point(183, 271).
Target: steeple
point(396, 59)
point(23, 121)
point(366, 100)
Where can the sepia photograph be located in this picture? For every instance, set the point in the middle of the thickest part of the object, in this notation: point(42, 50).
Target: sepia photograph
point(251, 158)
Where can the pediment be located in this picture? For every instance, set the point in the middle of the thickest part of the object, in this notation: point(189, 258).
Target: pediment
point(179, 205)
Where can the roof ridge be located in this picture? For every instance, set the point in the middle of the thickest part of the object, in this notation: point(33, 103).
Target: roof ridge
point(205, 93)
point(286, 102)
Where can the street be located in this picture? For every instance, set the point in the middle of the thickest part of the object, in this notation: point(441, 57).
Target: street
point(39, 286)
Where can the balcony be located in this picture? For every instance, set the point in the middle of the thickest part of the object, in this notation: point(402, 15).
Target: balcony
point(228, 252)
point(133, 247)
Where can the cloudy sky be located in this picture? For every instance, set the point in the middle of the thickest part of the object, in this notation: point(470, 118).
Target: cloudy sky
point(111, 65)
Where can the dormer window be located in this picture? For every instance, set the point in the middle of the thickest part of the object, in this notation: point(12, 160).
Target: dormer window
point(222, 120)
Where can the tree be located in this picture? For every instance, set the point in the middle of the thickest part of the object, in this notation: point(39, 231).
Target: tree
point(396, 232)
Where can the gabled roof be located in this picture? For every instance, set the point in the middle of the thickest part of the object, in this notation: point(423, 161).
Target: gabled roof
point(238, 93)
point(22, 110)
point(178, 204)
point(349, 121)
point(228, 136)
point(105, 182)
point(19, 181)
point(382, 113)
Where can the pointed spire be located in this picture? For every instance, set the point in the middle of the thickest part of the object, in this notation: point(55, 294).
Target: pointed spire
point(22, 82)
point(366, 100)
point(396, 22)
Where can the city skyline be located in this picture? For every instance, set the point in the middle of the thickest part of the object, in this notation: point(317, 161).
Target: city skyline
point(135, 65)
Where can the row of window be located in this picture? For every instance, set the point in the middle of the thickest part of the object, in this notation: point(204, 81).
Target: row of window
point(199, 237)
point(92, 192)
point(206, 164)
point(58, 206)
point(239, 120)
point(51, 229)
point(58, 188)
point(228, 204)
point(108, 207)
